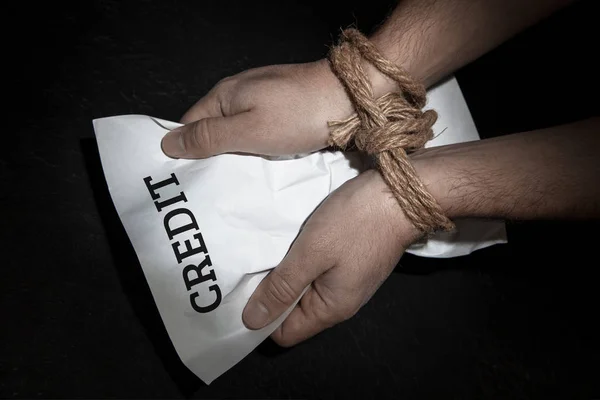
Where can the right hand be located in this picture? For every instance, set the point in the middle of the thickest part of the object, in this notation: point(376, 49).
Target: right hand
point(345, 250)
point(274, 110)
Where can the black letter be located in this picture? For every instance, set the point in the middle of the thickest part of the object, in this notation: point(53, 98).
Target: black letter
point(190, 251)
point(177, 231)
point(215, 304)
point(162, 204)
point(198, 270)
point(158, 185)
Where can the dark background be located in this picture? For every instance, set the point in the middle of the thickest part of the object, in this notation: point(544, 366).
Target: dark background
point(76, 317)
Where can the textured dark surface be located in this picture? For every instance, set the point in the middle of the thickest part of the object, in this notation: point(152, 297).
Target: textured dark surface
point(513, 321)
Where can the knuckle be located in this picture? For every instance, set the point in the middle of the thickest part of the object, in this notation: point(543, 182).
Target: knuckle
point(290, 333)
point(346, 312)
point(226, 84)
point(281, 336)
point(284, 341)
point(224, 81)
point(200, 137)
point(336, 313)
point(224, 93)
point(279, 290)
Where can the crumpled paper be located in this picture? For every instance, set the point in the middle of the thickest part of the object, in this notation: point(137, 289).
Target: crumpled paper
point(206, 232)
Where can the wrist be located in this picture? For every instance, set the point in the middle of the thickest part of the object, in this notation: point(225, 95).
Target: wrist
point(438, 175)
point(381, 84)
point(399, 50)
point(381, 195)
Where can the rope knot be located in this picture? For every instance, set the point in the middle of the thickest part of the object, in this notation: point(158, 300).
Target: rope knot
point(403, 128)
point(387, 127)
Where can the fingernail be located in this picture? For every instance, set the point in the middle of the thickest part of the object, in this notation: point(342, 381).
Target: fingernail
point(172, 144)
point(255, 315)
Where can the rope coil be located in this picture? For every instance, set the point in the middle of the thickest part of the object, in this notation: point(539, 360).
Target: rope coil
point(388, 127)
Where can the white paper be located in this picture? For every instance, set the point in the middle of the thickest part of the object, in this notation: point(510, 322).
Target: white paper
point(247, 210)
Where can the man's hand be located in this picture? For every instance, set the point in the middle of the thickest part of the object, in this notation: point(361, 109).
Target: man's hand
point(284, 109)
point(355, 238)
point(353, 241)
point(345, 251)
point(274, 110)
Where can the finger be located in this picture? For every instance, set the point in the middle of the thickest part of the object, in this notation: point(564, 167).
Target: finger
point(210, 136)
point(284, 285)
point(311, 316)
point(207, 107)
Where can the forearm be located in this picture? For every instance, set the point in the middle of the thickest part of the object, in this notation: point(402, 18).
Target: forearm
point(551, 173)
point(433, 38)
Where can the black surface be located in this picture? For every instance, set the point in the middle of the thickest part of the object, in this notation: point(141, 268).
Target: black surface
point(76, 319)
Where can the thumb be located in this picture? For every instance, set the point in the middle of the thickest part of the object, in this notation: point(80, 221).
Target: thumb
point(209, 136)
point(283, 286)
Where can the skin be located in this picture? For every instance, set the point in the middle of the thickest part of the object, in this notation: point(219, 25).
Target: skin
point(284, 109)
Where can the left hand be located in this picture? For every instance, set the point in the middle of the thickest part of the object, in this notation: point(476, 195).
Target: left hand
point(347, 248)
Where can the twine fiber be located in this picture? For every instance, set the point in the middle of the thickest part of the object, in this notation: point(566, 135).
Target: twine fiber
point(388, 127)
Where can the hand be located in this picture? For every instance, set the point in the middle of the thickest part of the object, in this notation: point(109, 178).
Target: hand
point(274, 110)
point(347, 248)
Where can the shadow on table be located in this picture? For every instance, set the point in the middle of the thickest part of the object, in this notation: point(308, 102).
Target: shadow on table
point(131, 275)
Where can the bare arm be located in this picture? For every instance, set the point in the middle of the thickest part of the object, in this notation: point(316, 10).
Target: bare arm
point(342, 260)
point(551, 173)
point(434, 38)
